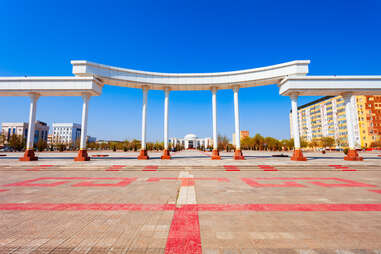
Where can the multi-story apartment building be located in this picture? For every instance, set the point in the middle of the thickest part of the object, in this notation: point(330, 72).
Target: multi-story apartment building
point(325, 117)
point(41, 130)
point(242, 135)
point(66, 133)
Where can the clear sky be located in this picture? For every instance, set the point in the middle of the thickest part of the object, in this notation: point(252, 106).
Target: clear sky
point(41, 37)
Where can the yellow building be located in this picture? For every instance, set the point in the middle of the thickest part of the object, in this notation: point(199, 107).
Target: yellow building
point(243, 134)
point(325, 117)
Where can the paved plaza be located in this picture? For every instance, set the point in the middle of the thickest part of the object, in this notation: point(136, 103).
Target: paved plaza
point(190, 204)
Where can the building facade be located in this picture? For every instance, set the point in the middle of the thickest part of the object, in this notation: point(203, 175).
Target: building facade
point(242, 135)
point(325, 117)
point(66, 133)
point(41, 130)
point(191, 141)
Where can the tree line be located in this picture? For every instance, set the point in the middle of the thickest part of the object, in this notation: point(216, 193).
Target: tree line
point(257, 142)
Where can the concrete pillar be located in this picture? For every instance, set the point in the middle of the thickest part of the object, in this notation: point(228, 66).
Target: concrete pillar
point(238, 153)
point(29, 153)
point(143, 152)
point(215, 153)
point(298, 154)
point(352, 154)
point(166, 154)
point(82, 154)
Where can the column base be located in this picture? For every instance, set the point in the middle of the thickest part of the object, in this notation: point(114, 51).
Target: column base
point(29, 156)
point(82, 156)
point(298, 155)
point(352, 155)
point(166, 155)
point(143, 155)
point(238, 155)
point(215, 155)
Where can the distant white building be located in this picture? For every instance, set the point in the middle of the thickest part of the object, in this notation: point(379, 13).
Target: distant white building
point(191, 141)
point(66, 133)
point(41, 130)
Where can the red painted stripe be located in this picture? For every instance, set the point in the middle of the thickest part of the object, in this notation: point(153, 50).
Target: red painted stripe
point(150, 167)
point(291, 207)
point(349, 170)
point(184, 234)
point(187, 182)
point(198, 207)
point(377, 191)
point(267, 168)
point(231, 168)
point(112, 170)
point(2, 190)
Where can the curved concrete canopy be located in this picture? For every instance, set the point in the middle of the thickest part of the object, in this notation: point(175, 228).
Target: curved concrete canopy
point(269, 75)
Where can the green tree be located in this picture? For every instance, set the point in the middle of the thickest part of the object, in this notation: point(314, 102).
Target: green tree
point(222, 142)
point(17, 142)
point(327, 142)
point(41, 145)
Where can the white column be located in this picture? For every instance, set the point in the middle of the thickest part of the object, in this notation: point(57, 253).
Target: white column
point(349, 118)
point(144, 112)
point(214, 110)
point(295, 123)
point(32, 121)
point(236, 120)
point(166, 99)
point(85, 110)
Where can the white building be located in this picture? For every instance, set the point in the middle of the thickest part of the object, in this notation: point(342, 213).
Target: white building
point(191, 141)
point(41, 130)
point(66, 133)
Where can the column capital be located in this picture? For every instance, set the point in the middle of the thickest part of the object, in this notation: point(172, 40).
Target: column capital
point(347, 96)
point(34, 96)
point(294, 96)
point(167, 89)
point(214, 89)
point(86, 97)
point(145, 88)
point(236, 88)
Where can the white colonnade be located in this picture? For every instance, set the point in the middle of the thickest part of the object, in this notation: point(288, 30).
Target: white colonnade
point(238, 153)
point(166, 154)
point(215, 153)
point(143, 151)
point(29, 153)
point(349, 115)
point(298, 154)
point(82, 154)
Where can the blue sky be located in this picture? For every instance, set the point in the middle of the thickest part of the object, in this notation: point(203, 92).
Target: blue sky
point(41, 37)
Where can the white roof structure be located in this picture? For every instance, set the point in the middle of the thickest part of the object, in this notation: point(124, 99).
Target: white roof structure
point(269, 75)
point(50, 86)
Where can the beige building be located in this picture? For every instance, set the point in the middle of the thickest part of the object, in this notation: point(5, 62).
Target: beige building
point(243, 134)
point(41, 130)
point(325, 117)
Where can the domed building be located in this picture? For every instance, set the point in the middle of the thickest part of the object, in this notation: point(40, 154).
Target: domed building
point(191, 141)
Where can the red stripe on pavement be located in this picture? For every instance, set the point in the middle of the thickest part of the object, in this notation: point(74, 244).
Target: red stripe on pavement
point(349, 170)
point(377, 191)
point(187, 182)
point(267, 168)
point(184, 234)
point(2, 190)
point(291, 207)
point(150, 168)
point(231, 168)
